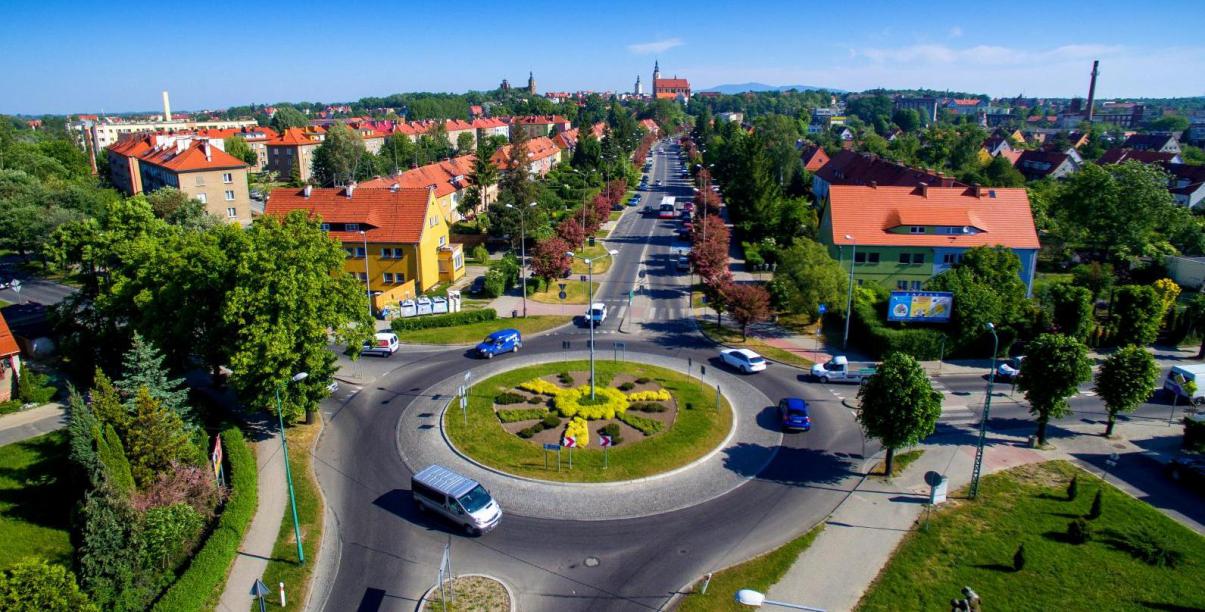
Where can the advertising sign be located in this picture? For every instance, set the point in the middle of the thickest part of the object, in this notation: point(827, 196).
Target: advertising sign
point(929, 306)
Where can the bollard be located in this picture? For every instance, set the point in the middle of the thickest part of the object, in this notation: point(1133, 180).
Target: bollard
point(282, 594)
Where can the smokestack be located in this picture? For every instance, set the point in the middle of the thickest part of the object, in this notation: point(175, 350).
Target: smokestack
point(1092, 88)
point(167, 107)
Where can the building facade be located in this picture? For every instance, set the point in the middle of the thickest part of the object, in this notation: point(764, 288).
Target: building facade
point(292, 152)
point(199, 167)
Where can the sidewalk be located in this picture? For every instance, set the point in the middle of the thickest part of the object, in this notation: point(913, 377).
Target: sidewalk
point(32, 423)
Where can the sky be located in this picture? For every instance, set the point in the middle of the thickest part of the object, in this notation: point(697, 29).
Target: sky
point(83, 56)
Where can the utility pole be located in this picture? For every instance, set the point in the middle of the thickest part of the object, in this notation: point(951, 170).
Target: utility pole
point(987, 409)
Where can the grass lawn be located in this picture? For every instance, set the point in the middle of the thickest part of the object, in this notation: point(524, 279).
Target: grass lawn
point(35, 506)
point(1043, 279)
point(695, 432)
point(595, 253)
point(902, 461)
point(732, 337)
point(3, 304)
point(284, 567)
point(474, 332)
point(759, 574)
point(616, 214)
point(973, 542)
point(575, 292)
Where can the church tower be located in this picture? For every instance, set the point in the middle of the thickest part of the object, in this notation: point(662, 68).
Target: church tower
point(531, 83)
point(639, 89)
point(656, 72)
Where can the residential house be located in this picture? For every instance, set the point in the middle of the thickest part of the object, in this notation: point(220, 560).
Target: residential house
point(567, 142)
point(1187, 184)
point(491, 126)
point(197, 166)
point(293, 152)
point(398, 233)
point(850, 168)
point(449, 179)
point(1195, 135)
point(964, 106)
point(730, 117)
point(1117, 155)
point(540, 125)
point(1047, 164)
point(906, 235)
point(542, 154)
point(1163, 143)
point(651, 126)
point(257, 138)
point(10, 362)
point(926, 106)
point(995, 145)
point(814, 158)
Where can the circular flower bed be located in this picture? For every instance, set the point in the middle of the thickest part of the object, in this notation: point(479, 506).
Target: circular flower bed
point(607, 403)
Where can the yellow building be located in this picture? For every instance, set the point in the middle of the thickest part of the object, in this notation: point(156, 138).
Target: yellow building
point(397, 239)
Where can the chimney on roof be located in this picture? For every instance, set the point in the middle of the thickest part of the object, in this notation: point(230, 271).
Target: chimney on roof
point(351, 188)
point(208, 152)
point(395, 187)
point(924, 189)
point(874, 184)
point(167, 107)
point(307, 190)
point(978, 189)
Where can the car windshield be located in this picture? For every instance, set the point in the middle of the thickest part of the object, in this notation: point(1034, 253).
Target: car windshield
point(797, 412)
point(491, 340)
point(474, 500)
point(756, 359)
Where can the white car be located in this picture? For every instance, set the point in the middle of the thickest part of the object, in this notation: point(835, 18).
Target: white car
point(597, 314)
point(384, 344)
point(744, 360)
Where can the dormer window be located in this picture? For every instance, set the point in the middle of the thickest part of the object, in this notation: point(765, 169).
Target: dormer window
point(351, 227)
point(916, 229)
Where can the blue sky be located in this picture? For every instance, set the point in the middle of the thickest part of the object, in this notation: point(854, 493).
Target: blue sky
point(59, 56)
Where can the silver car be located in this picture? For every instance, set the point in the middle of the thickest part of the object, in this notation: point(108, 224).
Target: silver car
point(457, 498)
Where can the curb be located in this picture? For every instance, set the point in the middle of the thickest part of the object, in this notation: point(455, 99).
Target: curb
point(323, 558)
point(535, 335)
point(694, 321)
point(422, 601)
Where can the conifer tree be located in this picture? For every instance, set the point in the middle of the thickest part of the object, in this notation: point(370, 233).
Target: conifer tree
point(155, 439)
point(142, 368)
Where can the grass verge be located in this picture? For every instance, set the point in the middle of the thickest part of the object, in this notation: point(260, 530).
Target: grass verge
point(474, 332)
point(470, 593)
point(35, 505)
point(595, 254)
point(284, 566)
point(902, 461)
point(575, 292)
point(973, 542)
point(759, 574)
point(695, 431)
point(732, 337)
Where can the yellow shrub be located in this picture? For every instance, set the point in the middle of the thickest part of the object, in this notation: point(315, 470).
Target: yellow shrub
point(569, 403)
point(660, 395)
point(541, 386)
point(579, 430)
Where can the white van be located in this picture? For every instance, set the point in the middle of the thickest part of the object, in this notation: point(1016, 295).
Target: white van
point(1180, 374)
point(460, 499)
point(384, 344)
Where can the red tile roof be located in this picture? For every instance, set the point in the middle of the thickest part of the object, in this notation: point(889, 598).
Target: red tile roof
point(539, 120)
point(1001, 215)
point(292, 137)
point(1148, 141)
point(484, 123)
point(814, 158)
point(448, 176)
point(385, 215)
point(537, 149)
point(1116, 156)
point(132, 147)
point(850, 168)
point(679, 83)
point(199, 155)
point(8, 344)
point(566, 140)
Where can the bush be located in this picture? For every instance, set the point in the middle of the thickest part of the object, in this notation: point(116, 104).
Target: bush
point(1079, 531)
point(627, 386)
point(10, 406)
point(541, 386)
point(34, 388)
point(480, 254)
point(580, 432)
point(1150, 548)
point(200, 585)
point(528, 432)
point(612, 430)
point(645, 426)
point(495, 283)
point(535, 399)
point(522, 414)
point(551, 420)
point(643, 380)
point(648, 407)
point(576, 403)
point(506, 398)
point(1094, 511)
point(660, 395)
point(565, 378)
point(1073, 488)
point(451, 319)
point(870, 333)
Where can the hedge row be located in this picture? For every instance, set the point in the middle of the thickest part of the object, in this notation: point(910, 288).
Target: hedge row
point(451, 319)
point(647, 427)
point(522, 414)
point(870, 333)
point(200, 585)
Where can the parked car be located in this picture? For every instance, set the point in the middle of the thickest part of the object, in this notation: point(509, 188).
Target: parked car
point(657, 182)
point(793, 414)
point(1188, 469)
point(501, 341)
point(596, 314)
point(1008, 369)
point(683, 263)
point(1181, 374)
point(744, 360)
point(839, 368)
point(457, 498)
point(478, 286)
point(384, 344)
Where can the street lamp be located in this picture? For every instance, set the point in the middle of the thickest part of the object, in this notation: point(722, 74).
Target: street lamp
point(987, 409)
point(755, 599)
point(284, 445)
point(849, 299)
point(367, 275)
point(590, 305)
point(523, 251)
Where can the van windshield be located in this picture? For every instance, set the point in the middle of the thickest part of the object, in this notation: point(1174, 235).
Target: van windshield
point(475, 499)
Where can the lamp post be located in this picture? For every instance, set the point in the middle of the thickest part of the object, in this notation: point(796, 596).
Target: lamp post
point(367, 276)
point(284, 445)
point(523, 251)
point(756, 599)
point(589, 306)
point(987, 409)
point(849, 299)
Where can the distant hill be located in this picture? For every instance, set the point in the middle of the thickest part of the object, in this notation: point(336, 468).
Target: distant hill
point(743, 87)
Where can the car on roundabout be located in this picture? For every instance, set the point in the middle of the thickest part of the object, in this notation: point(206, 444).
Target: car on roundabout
point(793, 414)
point(744, 360)
point(501, 341)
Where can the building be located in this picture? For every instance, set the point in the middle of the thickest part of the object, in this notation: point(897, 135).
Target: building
point(1188, 272)
point(730, 117)
point(669, 89)
point(292, 152)
point(100, 132)
point(540, 125)
point(195, 165)
point(1195, 135)
point(814, 158)
point(1121, 114)
point(398, 233)
point(638, 89)
point(542, 154)
point(850, 168)
point(1163, 143)
point(650, 126)
point(1037, 165)
point(490, 126)
point(567, 142)
point(10, 362)
point(925, 106)
point(965, 106)
point(1116, 156)
point(450, 181)
point(531, 83)
point(1187, 184)
point(907, 235)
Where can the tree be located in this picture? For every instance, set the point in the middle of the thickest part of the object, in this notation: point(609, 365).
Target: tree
point(167, 200)
point(157, 438)
point(1139, 312)
point(464, 143)
point(142, 368)
point(807, 277)
point(1054, 367)
point(1071, 310)
point(1121, 211)
point(571, 232)
point(236, 146)
point(907, 119)
point(38, 586)
point(107, 550)
point(1125, 381)
point(288, 117)
point(748, 304)
point(898, 404)
point(338, 158)
point(117, 473)
point(481, 182)
point(516, 185)
point(709, 254)
point(1195, 312)
point(1001, 173)
point(550, 259)
point(288, 297)
point(1170, 123)
point(167, 534)
point(987, 288)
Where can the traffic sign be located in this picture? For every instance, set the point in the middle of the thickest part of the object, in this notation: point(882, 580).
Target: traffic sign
point(259, 589)
point(822, 308)
point(552, 447)
point(561, 285)
point(569, 442)
point(562, 295)
point(604, 440)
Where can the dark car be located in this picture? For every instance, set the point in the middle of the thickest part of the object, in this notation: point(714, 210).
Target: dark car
point(478, 286)
point(1188, 469)
point(793, 414)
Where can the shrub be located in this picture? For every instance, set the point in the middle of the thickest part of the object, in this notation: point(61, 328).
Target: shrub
point(535, 399)
point(660, 395)
point(506, 398)
point(10, 406)
point(870, 332)
point(528, 432)
point(541, 386)
point(522, 414)
point(579, 430)
point(451, 319)
point(565, 378)
point(643, 380)
point(607, 404)
point(551, 420)
point(644, 425)
point(496, 283)
point(200, 584)
point(1094, 512)
point(627, 386)
point(1073, 488)
point(1079, 531)
point(612, 430)
point(480, 254)
point(1150, 548)
point(34, 388)
point(648, 407)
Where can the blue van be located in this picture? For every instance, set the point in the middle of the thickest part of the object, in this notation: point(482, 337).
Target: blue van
point(501, 341)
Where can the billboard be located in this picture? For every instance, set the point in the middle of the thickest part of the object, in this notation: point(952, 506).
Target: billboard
point(927, 306)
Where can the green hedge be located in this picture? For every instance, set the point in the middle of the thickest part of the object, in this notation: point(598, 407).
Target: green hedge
point(451, 319)
point(522, 414)
point(647, 427)
point(201, 584)
point(873, 336)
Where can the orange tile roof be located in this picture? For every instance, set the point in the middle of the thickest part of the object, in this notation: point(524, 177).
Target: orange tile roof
point(483, 123)
point(447, 176)
point(683, 83)
point(199, 155)
point(867, 213)
point(132, 147)
point(385, 215)
point(537, 149)
point(8, 344)
point(292, 137)
point(566, 140)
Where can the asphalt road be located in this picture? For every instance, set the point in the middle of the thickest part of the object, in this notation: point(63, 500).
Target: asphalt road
point(389, 554)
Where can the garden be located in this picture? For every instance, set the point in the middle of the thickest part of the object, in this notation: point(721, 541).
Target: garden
point(655, 418)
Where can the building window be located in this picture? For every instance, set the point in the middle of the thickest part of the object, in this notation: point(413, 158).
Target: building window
point(905, 258)
point(916, 285)
point(901, 285)
point(350, 251)
point(872, 258)
point(202, 198)
point(918, 258)
point(229, 195)
point(917, 229)
point(352, 227)
point(360, 252)
point(388, 278)
point(431, 222)
point(326, 227)
point(227, 178)
point(443, 240)
point(457, 261)
point(859, 257)
point(200, 180)
point(362, 276)
point(232, 213)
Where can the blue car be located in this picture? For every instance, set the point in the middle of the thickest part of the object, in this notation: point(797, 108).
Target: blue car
point(793, 414)
point(501, 341)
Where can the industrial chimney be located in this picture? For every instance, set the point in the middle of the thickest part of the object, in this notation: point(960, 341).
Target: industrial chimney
point(1092, 89)
point(167, 107)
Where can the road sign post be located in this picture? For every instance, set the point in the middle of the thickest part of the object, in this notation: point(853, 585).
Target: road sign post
point(552, 447)
point(717, 397)
point(464, 405)
point(259, 590)
point(605, 442)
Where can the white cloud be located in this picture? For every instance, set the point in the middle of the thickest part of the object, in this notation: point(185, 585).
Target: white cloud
point(955, 32)
point(985, 55)
point(656, 46)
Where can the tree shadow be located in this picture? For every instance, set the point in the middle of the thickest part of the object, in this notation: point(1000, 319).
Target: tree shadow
point(43, 496)
point(995, 567)
point(1058, 536)
point(1169, 607)
point(790, 466)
